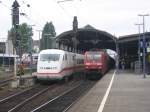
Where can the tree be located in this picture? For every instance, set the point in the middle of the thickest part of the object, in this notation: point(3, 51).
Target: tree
point(25, 33)
point(47, 34)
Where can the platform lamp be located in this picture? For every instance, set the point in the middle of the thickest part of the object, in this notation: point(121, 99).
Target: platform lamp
point(39, 31)
point(144, 45)
point(139, 42)
point(117, 51)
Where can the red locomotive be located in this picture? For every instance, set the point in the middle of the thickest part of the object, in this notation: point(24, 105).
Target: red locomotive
point(96, 63)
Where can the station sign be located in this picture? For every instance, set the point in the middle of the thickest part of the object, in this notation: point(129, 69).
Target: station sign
point(141, 44)
point(148, 49)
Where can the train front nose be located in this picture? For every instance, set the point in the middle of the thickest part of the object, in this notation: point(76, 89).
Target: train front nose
point(93, 65)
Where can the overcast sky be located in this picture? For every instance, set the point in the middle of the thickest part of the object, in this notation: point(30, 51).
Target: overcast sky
point(116, 17)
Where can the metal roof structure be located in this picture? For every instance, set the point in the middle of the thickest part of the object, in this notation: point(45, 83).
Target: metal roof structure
point(88, 38)
point(129, 46)
point(133, 37)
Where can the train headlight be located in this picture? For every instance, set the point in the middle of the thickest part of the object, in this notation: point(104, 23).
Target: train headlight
point(86, 67)
point(87, 63)
point(99, 64)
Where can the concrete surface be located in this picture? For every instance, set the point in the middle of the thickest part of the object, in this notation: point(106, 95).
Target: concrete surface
point(129, 93)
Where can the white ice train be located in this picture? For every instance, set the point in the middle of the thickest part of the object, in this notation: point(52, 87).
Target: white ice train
point(55, 64)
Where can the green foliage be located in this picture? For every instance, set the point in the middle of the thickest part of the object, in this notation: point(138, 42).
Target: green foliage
point(20, 71)
point(47, 34)
point(25, 33)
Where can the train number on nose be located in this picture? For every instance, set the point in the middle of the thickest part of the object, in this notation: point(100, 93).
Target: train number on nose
point(48, 67)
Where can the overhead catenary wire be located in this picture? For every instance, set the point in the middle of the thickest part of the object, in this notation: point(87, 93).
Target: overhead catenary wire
point(22, 12)
point(26, 3)
point(62, 8)
point(59, 2)
point(2, 3)
point(27, 16)
point(64, 1)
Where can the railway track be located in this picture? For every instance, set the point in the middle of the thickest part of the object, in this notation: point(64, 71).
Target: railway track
point(27, 100)
point(64, 101)
point(5, 82)
point(15, 101)
point(44, 97)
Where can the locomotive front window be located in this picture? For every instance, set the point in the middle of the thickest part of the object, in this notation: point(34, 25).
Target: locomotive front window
point(93, 56)
point(49, 57)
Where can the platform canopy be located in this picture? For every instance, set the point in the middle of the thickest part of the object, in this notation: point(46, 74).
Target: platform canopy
point(88, 38)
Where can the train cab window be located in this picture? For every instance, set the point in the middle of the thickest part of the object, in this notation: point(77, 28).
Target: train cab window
point(49, 57)
point(80, 61)
point(65, 56)
point(73, 58)
point(93, 56)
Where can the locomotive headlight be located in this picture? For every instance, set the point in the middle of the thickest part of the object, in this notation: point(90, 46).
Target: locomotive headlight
point(86, 67)
point(87, 63)
point(99, 64)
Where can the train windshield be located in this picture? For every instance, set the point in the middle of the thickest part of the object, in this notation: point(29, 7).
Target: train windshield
point(93, 56)
point(49, 57)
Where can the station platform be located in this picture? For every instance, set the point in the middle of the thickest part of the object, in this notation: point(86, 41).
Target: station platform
point(117, 92)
